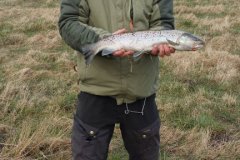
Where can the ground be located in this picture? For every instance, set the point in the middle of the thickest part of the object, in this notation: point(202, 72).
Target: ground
point(199, 97)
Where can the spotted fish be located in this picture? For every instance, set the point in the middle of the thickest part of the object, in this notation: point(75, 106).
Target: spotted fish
point(142, 42)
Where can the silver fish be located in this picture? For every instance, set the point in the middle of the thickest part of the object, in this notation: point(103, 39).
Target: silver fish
point(142, 42)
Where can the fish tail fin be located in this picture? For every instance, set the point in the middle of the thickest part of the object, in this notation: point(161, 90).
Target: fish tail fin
point(89, 52)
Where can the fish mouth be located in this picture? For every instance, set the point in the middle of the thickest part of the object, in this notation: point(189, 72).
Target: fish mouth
point(198, 45)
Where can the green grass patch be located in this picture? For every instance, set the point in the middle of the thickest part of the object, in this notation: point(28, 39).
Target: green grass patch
point(211, 15)
point(187, 24)
point(177, 90)
point(184, 117)
point(181, 117)
point(193, 3)
point(2, 79)
point(235, 29)
point(5, 30)
point(164, 155)
point(15, 52)
point(227, 116)
point(37, 26)
point(63, 47)
point(30, 3)
point(206, 120)
point(68, 102)
point(118, 153)
point(191, 27)
point(170, 87)
point(34, 112)
point(236, 51)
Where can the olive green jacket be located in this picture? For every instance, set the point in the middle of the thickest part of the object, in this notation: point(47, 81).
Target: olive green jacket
point(87, 21)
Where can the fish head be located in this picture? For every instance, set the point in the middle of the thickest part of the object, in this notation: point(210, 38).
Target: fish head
point(188, 42)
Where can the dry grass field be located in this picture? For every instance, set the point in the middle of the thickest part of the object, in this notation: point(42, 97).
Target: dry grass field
point(199, 97)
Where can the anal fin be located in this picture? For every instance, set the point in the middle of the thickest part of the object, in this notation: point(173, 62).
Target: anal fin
point(138, 53)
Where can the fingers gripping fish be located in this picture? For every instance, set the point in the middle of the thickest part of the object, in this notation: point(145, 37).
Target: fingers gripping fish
point(142, 42)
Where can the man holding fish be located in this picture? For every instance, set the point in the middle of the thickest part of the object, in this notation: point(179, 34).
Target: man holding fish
point(118, 67)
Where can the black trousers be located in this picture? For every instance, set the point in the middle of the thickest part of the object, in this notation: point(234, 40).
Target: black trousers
point(94, 123)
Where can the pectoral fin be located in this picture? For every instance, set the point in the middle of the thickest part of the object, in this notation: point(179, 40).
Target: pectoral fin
point(106, 52)
point(172, 43)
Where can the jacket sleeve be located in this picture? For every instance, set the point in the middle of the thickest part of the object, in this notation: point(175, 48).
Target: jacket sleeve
point(162, 15)
point(73, 24)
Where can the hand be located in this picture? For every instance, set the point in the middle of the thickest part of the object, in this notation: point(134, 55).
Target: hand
point(120, 31)
point(122, 52)
point(162, 50)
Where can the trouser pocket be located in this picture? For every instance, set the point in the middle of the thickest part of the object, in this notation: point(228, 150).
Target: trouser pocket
point(143, 144)
point(90, 143)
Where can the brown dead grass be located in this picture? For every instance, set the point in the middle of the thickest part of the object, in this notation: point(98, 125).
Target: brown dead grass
point(203, 144)
point(15, 39)
point(31, 142)
point(225, 42)
point(221, 66)
point(229, 100)
point(183, 9)
point(46, 41)
point(32, 61)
